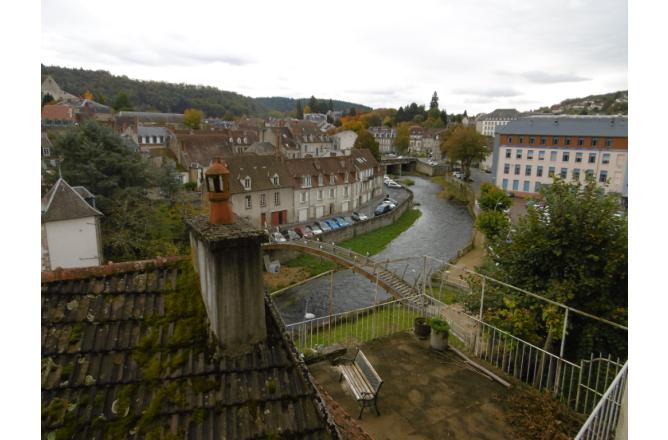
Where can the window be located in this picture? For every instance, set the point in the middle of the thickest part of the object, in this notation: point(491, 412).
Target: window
point(537, 187)
point(331, 193)
point(521, 140)
point(277, 199)
point(578, 157)
point(345, 178)
point(517, 169)
point(516, 185)
point(576, 174)
point(46, 151)
point(518, 154)
point(550, 172)
point(504, 184)
point(302, 197)
point(263, 200)
point(563, 173)
point(320, 181)
point(539, 171)
point(319, 194)
point(306, 182)
point(565, 156)
point(555, 140)
point(508, 153)
point(155, 139)
point(581, 142)
point(603, 177)
point(606, 158)
point(331, 179)
point(553, 156)
point(345, 191)
point(510, 139)
point(249, 203)
point(608, 142)
point(530, 154)
point(594, 141)
point(526, 186)
point(506, 168)
point(247, 183)
point(527, 170)
point(589, 173)
point(532, 140)
point(543, 140)
point(541, 155)
point(592, 157)
point(275, 180)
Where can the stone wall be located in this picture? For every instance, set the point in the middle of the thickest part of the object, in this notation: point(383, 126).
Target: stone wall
point(429, 170)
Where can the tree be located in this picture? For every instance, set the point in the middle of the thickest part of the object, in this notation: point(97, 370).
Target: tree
point(465, 145)
point(122, 102)
point(330, 105)
point(312, 103)
point(366, 140)
point(403, 139)
point(88, 95)
point(493, 198)
point(571, 249)
point(101, 99)
point(433, 105)
point(192, 118)
point(47, 99)
point(493, 224)
point(307, 109)
point(352, 112)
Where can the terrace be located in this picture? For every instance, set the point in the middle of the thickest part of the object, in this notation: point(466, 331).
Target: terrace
point(460, 393)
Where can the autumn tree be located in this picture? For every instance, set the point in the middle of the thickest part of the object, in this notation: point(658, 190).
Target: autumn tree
point(366, 140)
point(465, 145)
point(493, 198)
point(192, 118)
point(88, 95)
point(403, 139)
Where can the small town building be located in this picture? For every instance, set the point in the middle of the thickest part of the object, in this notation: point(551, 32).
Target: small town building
point(486, 124)
point(71, 235)
point(344, 141)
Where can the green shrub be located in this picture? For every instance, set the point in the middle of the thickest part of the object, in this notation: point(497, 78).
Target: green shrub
point(439, 325)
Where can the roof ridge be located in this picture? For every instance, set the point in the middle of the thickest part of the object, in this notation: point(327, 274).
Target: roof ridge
point(60, 274)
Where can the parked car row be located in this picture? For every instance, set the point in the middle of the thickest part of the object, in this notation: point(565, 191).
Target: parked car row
point(316, 228)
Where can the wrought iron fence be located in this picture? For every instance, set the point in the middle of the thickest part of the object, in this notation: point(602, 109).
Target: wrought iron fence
point(603, 420)
point(580, 387)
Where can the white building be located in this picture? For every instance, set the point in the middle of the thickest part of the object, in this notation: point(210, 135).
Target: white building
point(344, 141)
point(385, 138)
point(530, 151)
point(487, 124)
point(70, 228)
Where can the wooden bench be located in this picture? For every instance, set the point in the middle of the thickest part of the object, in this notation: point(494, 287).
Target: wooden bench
point(363, 380)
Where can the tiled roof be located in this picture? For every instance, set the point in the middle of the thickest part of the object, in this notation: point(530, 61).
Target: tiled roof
point(57, 112)
point(500, 113)
point(150, 116)
point(613, 126)
point(307, 131)
point(260, 169)
point(126, 353)
point(359, 159)
point(62, 202)
point(152, 131)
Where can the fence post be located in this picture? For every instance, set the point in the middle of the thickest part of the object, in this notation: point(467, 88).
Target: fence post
point(482, 297)
point(561, 353)
point(424, 275)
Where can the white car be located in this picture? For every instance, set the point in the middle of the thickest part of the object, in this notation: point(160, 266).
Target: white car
point(458, 175)
point(277, 237)
point(393, 184)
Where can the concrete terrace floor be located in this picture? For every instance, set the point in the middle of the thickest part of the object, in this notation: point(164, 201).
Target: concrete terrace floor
point(425, 394)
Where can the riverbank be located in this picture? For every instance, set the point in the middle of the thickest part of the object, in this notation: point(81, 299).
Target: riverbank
point(306, 266)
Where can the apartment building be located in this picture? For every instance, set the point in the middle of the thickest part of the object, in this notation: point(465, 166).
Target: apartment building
point(311, 140)
point(385, 138)
point(488, 123)
point(529, 152)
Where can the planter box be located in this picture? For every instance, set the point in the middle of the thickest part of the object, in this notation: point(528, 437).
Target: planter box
point(438, 340)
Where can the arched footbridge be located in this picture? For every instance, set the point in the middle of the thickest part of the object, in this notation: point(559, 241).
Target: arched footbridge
point(374, 271)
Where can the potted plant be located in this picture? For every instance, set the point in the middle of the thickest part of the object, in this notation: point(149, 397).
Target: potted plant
point(421, 328)
point(439, 334)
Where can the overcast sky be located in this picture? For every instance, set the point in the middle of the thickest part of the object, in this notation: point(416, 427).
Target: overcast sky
point(478, 55)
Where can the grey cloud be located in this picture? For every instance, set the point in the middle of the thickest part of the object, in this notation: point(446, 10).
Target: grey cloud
point(551, 78)
point(501, 92)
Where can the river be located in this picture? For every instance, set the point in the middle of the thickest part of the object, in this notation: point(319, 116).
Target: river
point(443, 229)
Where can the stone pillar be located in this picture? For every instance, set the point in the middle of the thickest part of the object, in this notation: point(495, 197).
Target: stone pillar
point(228, 260)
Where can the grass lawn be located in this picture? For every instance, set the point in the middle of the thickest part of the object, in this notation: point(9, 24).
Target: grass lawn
point(373, 243)
point(406, 181)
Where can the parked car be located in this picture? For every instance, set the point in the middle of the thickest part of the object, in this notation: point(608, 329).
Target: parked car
point(289, 234)
point(359, 217)
point(458, 175)
point(277, 237)
point(315, 229)
point(324, 226)
point(303, 231)
point(333, 224)
point(383, 208)
point(343, 222)
point(349, 220)
point(393, 184)
point(389, 199)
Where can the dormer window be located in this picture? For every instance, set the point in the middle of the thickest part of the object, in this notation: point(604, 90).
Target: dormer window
point(245, 140)
point(320, 180)
point(331, 179)
point(247, 183)
point(306, 181)
point(345, 178)
point(274, 180)
point(238, 140)
point(231, 140)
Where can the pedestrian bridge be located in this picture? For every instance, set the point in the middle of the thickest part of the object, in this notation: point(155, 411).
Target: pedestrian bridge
point(377, 272)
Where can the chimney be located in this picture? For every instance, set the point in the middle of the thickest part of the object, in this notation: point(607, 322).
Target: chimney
point(228, 259)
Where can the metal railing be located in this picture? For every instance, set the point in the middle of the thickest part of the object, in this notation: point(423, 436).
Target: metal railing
point(603, 420)
point(580, 387)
